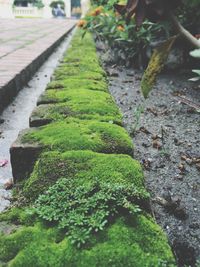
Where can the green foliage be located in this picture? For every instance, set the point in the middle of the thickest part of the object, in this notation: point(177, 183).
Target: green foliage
point(39, 4)
point(78, 83)
point(135, 241)
point(75, 69)
point(127, 42)
point(17, 216)
point(96, 110)
point(90, 75)
point(106, 3)
point(74, 134)
point(74, 96)
point(86, 209)
point(106, 187)
point(84, 167)
point(80, 103)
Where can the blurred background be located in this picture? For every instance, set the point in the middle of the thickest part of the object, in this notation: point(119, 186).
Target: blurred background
point(42, 8)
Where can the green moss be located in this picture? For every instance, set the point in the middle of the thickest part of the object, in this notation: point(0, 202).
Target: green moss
point(74, 84)
point(81, 58)
point(92, 111)
point(82, 104)
point(82, 53)
point(85, 43)
point(79, 67)
point(74, 134)
point(134, 241)
point(17, 216)
point(90, 75)
point(71, 70)
point(83, 166)
point(128, 242)
point(26, 237)
point(80, 61)
point(80, 96)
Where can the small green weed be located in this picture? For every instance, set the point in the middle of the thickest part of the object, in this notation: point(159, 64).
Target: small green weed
point(137, 115)
point(86, 209)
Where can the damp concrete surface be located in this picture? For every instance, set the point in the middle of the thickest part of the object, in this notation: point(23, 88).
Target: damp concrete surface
point(16, 117)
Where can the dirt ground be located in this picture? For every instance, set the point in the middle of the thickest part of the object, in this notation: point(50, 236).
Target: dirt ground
point(166, 135)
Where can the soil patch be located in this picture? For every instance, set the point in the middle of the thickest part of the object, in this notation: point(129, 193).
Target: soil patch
point(167, 140)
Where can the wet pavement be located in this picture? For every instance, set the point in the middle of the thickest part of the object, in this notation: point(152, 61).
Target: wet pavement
point(16, 116)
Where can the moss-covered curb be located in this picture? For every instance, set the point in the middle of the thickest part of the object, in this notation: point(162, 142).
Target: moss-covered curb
point(99, 111)
point(77, 83)
point(74, 134)
point(83, 104)
point(84, 167)
point(77, 97)
point(131, 242)
point(81, 143)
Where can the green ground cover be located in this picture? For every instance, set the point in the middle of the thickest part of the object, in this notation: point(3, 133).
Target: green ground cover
point(97, 110)
point(84, 167)
point(80, 67)
point(134, 241)
point(74, 134)
point(80, 208)
point(76, 83)
point(90, 75)
point(80, 103)
point(79, 96)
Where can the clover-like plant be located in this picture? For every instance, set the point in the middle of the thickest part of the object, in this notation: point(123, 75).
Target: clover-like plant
point(82, 210)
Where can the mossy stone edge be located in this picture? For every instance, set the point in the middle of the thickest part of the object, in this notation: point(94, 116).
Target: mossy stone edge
point(133, 241)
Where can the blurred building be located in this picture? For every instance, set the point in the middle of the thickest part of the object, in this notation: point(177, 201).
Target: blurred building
point(41, 8)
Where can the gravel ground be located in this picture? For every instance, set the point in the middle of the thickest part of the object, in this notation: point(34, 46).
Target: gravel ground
point(166, 134)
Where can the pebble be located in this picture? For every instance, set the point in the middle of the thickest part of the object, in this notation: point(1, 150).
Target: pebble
point(189, 161)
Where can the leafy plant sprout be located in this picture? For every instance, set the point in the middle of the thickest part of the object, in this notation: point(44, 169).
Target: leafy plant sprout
point(86, 209)
point(137, 115)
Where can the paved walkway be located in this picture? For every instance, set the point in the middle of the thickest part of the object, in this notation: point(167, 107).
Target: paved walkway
point(24, 46)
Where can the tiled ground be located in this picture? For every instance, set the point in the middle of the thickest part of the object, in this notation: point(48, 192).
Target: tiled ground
point(22, 42)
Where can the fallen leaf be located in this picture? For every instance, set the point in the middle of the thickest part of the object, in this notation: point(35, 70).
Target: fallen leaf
point(157, 144)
